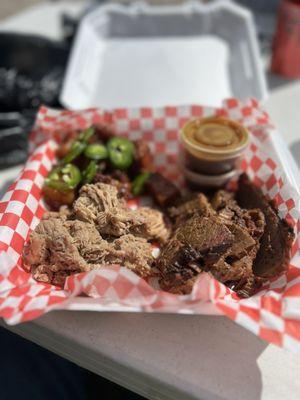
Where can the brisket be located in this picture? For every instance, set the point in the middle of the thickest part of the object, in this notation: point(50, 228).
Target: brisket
point(198, 241)
point(162, 190)
point(275, 243)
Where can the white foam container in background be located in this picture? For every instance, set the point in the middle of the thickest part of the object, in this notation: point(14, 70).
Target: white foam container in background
point(143, 55)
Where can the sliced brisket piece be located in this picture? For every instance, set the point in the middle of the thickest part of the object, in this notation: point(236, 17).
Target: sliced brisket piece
point(162, 190)
point(275, 244)
point(255, 223)
point(235, 267)
point(199, 240)
point(179, 265)
point(236, 264)
point(227, 208)
point(197, 205)
point(246, 287)
point(175, 256)
point(221, 199)
point(207, 235)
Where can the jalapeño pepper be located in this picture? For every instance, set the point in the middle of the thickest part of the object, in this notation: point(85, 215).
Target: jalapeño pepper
point(120, 152)
point(76, 149)
point(85, 135)
point(64, 178)
point(138, 183)
point(89, 173)
point(96, 151)
point(79, 145)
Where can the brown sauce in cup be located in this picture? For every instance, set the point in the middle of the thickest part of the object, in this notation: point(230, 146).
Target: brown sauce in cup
point(214, 135)
point(213, 145)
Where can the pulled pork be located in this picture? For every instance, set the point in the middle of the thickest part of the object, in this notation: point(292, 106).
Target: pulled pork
point(156, 226)
point(98, 230)
point(100, 204)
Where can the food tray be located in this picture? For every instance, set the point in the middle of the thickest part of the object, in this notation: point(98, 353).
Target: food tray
point(144, 55)
point(273, 313)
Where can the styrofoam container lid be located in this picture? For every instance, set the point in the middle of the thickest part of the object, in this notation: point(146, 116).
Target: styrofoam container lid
point(145, 55)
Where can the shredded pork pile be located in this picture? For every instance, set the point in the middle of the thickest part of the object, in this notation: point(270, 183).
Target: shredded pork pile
point(98, 230)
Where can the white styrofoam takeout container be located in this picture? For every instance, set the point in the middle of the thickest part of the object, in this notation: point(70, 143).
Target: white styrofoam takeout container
point(144, 55)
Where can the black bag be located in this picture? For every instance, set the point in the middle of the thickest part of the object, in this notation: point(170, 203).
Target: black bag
point(31, 74)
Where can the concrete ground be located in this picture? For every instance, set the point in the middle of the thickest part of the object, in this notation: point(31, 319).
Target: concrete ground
point(10, 7)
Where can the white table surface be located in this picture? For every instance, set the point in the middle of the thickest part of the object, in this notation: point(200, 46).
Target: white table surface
point(177, 357)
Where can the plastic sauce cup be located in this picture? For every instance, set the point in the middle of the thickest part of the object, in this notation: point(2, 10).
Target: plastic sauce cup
point(213, 148)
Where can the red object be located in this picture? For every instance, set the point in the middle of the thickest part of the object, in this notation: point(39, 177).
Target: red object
point(286, 47)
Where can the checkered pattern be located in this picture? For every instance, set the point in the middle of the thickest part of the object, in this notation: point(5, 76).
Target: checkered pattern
point(273, 313)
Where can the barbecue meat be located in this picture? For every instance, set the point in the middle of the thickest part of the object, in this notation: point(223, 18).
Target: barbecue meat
point(155, 227)
point(236, 263)
point(162, 190)
point(91, 246)
point(96, 232)
point(119, 180)
point(227, 208)
point(237, 238)
point(199, 241)
point(58, 248)
point(179, 265)
point(253, 221)
point(222, 199)
point(207, 235)
point(197, 205)
point(99, 203)
point(231, 264)
point(275, 244)
point(64, 213)
point(137, 254)
point(235, 267)
point(52, 254)
point(95, 199)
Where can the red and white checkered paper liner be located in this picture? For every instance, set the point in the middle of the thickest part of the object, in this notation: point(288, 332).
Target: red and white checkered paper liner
point(273, 313)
